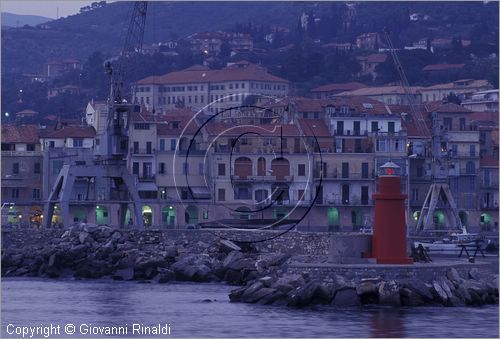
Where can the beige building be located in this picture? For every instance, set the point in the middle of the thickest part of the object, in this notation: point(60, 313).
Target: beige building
point(22, 161)
point(214, 91)
point(464, 89)
point(390, 95)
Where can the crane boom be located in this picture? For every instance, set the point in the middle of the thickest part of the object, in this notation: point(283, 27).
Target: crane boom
point(417, 115)
point(133, 44)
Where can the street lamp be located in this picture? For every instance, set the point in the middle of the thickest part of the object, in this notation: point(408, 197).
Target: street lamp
point(408, 212)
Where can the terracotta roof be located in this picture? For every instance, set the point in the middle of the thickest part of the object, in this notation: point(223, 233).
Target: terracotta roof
point(442, 67)
point(488, 161)
point(197, 75)
point(68, 132)
point(367, 91)
point(460, 84)
point(484, 117)
point(445, 107)
point(255, 130)
point(311, 105)
point(20, 134)
point(348, 86)
point(314, 127)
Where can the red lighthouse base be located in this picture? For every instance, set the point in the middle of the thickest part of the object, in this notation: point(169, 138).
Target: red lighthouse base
point(389, 229)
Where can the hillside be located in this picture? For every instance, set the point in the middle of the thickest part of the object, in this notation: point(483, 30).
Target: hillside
point(18, 20)
point(26, 49)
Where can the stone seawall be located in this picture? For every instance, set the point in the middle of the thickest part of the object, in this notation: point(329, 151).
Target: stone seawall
point(298, 243)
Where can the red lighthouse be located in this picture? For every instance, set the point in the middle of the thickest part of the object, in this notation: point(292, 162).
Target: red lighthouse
point(389, 231)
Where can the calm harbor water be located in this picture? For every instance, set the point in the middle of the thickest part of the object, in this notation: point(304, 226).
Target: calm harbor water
point(31, 302)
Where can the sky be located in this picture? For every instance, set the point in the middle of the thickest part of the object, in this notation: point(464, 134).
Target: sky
point(43, 7)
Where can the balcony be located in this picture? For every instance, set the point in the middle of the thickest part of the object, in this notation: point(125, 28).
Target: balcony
point(351, 201)
point(142, 152)
point(147, 178)
point(22, 153)
point(334, 175)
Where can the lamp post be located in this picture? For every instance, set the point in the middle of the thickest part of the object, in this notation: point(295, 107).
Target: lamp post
point(408, 210)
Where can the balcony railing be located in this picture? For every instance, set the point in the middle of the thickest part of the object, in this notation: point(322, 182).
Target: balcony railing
point(22, 153)
point(350, 176)
point(142, 151)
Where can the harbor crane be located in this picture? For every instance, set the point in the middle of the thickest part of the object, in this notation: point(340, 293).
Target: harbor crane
point(439, 189)
point(109, 165)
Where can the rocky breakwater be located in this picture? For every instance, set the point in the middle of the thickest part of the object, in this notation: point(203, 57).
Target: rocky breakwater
point(297, 290)
point(91, 252)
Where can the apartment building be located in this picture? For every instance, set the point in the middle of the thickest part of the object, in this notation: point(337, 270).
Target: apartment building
point(464, 89)
point(483, 101)
point(21, 176)
point(213, 91)
point(390, 95)
point(489, 194)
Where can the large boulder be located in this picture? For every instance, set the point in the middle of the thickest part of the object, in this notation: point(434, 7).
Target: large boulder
point(388, 293)
point(418, 287)
point(164, 275)
point(346, 296)
point(439, 292)
point(410, 298)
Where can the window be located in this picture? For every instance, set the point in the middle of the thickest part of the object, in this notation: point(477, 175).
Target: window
point(454, 149)
point(147, 170)
point(364, 195)
point(472, 150)
point(135, 168)
point(340, 128)
point(162, 144)
point(162, 168)
point(357, 128)
point(205, 215)
point(148, 147)
point(201, 168)
point(390, 126)
point(222, 194)
point(77, 142)
point(448, 123)
point(302, 170)
point(36, 193)
point(173, 143)
point(222, 169)
point(364, 170)
point(136, 147)
point(37, 168)
point(414, 194)
point(30, 147)
point(462, 124)
point(185, 168)
point(345, 170)
point(375, 126)
point(15, 168)
point(141, 126)
point(15, 193)
point(52, 144)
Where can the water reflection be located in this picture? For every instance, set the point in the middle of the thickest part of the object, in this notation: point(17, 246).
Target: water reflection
point(387, 322)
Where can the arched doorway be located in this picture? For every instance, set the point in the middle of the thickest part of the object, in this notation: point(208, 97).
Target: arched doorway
point(280, 168)
point(168, 215)
point(261, 166)
point(280, 213)
point(333, 217)
point(485, 222)
point(101, 215)
point(147, 216)
point(356, 219)
point(36, 216)
point(243, 213)
point(191, 215)
point(13, 215)
point(439, 220)
point(79, 215)
point(243, 167)
point(56, 216)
